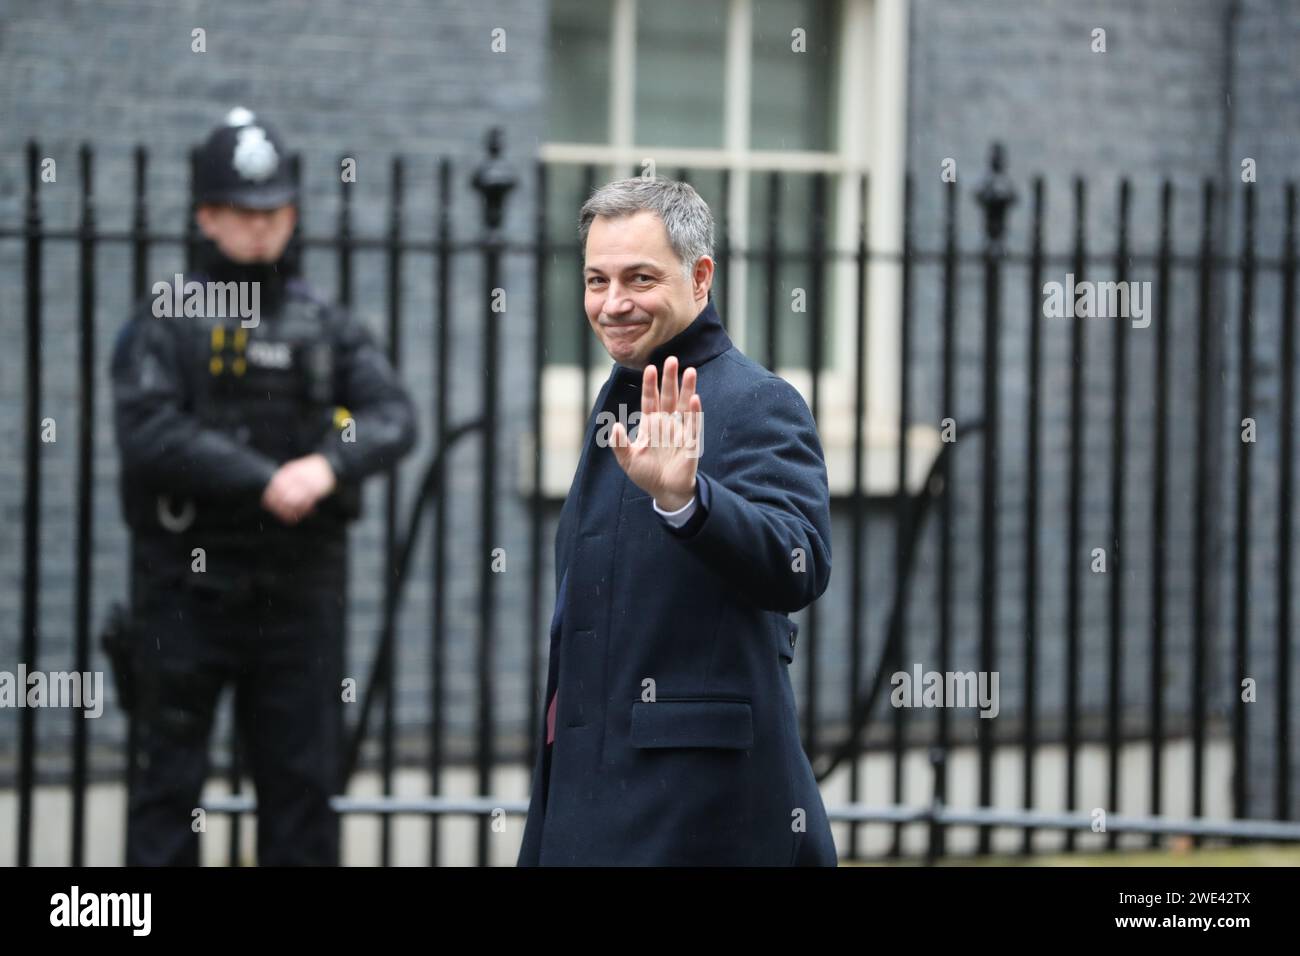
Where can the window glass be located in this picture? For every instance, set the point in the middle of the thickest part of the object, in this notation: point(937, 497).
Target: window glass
point(681, 48)
point(578, 74)
point(792, 102)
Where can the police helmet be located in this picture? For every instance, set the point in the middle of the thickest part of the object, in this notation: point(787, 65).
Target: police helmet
point(244, 163)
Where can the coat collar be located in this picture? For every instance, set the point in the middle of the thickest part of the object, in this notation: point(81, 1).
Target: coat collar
point(702, 340)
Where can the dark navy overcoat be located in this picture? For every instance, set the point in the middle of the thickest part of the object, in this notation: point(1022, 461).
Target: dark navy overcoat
point(675, 734)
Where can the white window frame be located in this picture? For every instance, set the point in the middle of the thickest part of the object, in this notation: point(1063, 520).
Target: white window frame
point(872, 84)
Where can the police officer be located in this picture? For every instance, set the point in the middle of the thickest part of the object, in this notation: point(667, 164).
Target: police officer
point(247, 412)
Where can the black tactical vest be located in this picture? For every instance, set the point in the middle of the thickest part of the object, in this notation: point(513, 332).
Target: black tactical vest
point(268, 383)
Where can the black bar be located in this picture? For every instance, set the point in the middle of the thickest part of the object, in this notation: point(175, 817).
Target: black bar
point(31, 503)
point(816, 307)
point(1241, 590)
point(140, 227)
point(442, 388)
point(493, 180)
point(343, 294)
point(948, 410)
point(1160, 529)
point(537, 628)
point(487, 504)
point(1033, 445)
point(902, 504)
point(345, 240)
point(1282, 798)
point(388, 756)
point(139, 273)
point(858, 592)
point(773, 268)
point(1205, 426)
point(85, 491)
point(1075, 533)
point(989, 513)
point(1118, 447)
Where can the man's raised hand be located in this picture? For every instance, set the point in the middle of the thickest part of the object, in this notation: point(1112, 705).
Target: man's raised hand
point(663, 458)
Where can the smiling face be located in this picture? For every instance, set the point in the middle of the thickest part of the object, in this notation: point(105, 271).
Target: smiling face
point(637, 293)
point(248, 235)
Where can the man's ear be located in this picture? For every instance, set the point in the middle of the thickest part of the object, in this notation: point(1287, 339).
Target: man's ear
point(702, 278)
point(203, 216)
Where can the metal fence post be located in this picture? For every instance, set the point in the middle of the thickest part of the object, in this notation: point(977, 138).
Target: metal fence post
point(996, 197)
point(493, 180)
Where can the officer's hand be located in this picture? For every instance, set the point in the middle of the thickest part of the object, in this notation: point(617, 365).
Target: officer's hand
point(297, 485)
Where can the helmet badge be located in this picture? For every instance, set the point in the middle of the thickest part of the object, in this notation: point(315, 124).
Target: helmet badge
point(255, 156)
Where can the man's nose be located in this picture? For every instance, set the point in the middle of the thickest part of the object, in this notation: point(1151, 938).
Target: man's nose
point(617, 301)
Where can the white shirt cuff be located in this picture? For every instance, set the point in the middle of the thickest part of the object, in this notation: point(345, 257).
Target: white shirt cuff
point(680, 516)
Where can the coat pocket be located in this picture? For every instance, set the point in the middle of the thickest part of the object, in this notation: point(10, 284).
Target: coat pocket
point(693, 722)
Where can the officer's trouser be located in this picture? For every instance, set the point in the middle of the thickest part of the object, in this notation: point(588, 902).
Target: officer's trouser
point(279, 642)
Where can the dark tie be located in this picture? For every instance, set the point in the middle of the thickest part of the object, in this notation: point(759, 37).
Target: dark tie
point(550, 719)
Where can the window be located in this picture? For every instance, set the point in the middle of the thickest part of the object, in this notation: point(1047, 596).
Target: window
point(745, 88)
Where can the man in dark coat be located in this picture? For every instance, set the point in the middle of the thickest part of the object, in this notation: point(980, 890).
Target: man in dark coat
point(671, 735)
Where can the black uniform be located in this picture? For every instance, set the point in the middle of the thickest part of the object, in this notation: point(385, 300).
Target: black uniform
point(206, 410)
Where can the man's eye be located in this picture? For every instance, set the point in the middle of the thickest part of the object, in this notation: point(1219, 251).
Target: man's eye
point(594, 281)
point(645, 277)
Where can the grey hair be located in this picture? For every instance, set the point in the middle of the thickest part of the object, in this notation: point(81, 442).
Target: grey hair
point(685, 216)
